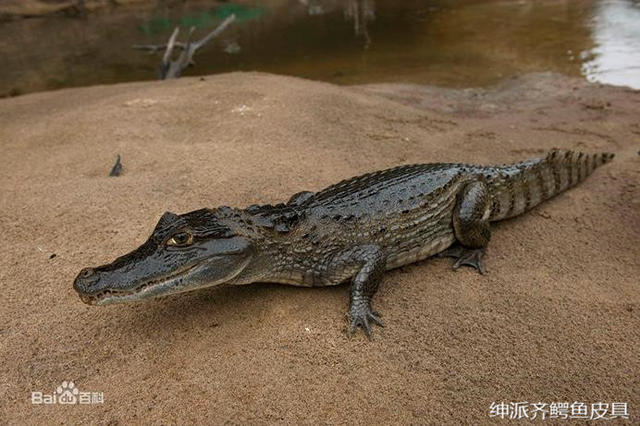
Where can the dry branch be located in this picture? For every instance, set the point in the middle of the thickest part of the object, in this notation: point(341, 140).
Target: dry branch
point(174, 69)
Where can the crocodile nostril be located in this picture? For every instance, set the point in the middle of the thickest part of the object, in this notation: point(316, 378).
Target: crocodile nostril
point(87, 272)
point(86, 279)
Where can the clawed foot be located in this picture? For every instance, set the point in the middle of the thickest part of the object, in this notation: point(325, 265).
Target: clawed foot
point(466, 256)
point(361, 315)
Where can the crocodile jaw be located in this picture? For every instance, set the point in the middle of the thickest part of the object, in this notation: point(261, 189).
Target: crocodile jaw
point(185, 280)
point(158, 287)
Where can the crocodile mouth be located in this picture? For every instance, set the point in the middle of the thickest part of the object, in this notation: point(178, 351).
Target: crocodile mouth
point(156, 287)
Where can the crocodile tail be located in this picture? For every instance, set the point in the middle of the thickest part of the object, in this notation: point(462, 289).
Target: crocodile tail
point(520, 187)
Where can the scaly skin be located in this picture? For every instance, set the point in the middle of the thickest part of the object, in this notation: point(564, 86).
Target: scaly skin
point(354, 230)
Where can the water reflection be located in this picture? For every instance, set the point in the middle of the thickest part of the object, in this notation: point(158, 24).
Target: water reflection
point(616, 57)
point(439, 42)
point(360, 12)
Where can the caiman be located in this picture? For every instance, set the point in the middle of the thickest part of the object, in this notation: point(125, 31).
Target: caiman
point(353, 231)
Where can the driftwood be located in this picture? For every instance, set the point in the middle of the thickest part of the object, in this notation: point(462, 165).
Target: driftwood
point(174, 69)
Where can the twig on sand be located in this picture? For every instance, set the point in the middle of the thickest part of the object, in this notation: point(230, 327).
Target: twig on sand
point(174, 69)
point(117, 167)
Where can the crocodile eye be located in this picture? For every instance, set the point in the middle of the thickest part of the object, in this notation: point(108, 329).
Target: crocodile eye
point(180, 239)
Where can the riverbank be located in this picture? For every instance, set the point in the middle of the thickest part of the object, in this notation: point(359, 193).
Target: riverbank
point(557, 318)
point(16, 9)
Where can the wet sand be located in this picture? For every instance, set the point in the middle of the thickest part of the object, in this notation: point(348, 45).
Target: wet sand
point(557, 317)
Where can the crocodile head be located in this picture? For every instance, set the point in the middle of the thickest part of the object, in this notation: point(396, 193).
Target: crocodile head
point(185, 252)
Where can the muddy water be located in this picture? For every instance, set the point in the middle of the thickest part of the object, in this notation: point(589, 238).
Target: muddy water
point(441, 42)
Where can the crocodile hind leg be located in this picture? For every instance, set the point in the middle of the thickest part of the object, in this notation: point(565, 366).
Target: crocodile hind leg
point(471, 226)
point(368, 262)
point(466, 257)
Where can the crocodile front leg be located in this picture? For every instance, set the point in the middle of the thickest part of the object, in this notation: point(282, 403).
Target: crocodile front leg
point(368, 262)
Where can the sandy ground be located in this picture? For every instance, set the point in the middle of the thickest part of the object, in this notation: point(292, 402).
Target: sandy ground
point(556, 319)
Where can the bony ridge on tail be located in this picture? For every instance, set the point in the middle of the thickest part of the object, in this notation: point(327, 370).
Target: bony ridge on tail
point(353, 231)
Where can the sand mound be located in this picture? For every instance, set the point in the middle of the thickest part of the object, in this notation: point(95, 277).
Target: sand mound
point(556, 319)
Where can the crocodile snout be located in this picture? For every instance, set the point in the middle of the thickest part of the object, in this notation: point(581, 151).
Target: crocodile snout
point(85, 280)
